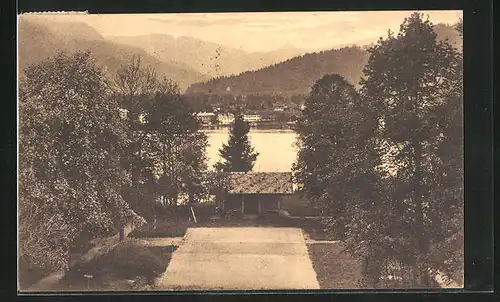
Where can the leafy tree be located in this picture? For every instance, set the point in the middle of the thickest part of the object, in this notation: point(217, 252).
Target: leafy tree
point(337, 157)
point(237, 155)
point(460, 27)
point(133, 86)
point(177, 146)
point(165, 151)
point(70, 137)
point(449, 179)
point(415, 82)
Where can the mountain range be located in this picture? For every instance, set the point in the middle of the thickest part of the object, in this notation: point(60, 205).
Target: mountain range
point(185, 60)
point(200, 66)
point(39, 40)
point(206, 57)
point(297, 75)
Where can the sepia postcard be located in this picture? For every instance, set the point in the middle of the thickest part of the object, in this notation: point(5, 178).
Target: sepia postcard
point(240, 151)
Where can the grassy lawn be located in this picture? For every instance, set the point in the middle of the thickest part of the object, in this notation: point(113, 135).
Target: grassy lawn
point(114, 270)
point(334, 269)
point(28, 276)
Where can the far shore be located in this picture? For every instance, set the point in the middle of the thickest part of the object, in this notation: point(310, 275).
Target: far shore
point(252, 130)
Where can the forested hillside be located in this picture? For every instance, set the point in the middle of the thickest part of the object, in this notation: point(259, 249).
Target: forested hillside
point(294, 76)
point(297, 75)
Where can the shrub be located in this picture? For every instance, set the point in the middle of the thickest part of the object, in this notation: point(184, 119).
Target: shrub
point(127, 260)
point(163, 229)
point(302, 210)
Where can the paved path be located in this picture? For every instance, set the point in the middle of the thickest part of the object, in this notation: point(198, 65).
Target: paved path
point(240, 259)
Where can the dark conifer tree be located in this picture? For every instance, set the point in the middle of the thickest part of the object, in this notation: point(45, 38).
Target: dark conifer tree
point(237, 155)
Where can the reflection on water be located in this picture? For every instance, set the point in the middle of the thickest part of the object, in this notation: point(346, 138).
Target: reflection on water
point(277, 150)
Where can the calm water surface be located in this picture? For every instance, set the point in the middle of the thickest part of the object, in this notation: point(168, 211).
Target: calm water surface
point(277, 150)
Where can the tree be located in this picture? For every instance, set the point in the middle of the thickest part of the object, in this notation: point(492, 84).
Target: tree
point(415, 82)
point(165, 152)
point(460, 27)
point(70, 137)
point(133, 87)
point(237, 155)
point(447, 254)
point(337, 157)
point(177, 146)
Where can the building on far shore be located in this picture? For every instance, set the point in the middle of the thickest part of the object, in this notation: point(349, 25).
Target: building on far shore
point(225, 119)
point(253, 119)
point(205, 117)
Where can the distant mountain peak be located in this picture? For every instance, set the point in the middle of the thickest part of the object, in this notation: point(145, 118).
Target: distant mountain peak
point(288, 46)
point(39, 40)
point(207, 57)
point(75, 29)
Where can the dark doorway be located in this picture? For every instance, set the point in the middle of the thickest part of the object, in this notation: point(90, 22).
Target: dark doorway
point(252, 207)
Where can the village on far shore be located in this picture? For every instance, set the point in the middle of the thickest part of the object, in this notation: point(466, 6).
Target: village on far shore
point(280, 116)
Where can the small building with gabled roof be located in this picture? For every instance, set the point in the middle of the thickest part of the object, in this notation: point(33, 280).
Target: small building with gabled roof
point(255, 192)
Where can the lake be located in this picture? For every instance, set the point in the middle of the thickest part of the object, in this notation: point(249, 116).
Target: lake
point(277, 150)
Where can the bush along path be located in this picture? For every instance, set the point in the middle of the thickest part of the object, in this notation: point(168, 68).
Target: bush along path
point(129, 265)
point(105, 261)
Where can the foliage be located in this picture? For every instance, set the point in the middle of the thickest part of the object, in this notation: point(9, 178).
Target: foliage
point(415, 83)
point(298, 74)
point(385, 166)
point(293, 76)
point(70, 136)
point(177, 146)
point(460, 27)
point(133, 86)
point(253, 103)
point(337, 159)
point(219, 183)
point(237, 155)
point(165, 152)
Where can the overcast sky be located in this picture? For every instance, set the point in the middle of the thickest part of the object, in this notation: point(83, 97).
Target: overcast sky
point(262, 31)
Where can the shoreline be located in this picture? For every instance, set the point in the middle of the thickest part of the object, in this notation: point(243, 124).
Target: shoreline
point(252, 130)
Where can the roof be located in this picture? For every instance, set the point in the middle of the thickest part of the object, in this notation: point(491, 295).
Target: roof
point(260, 183)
